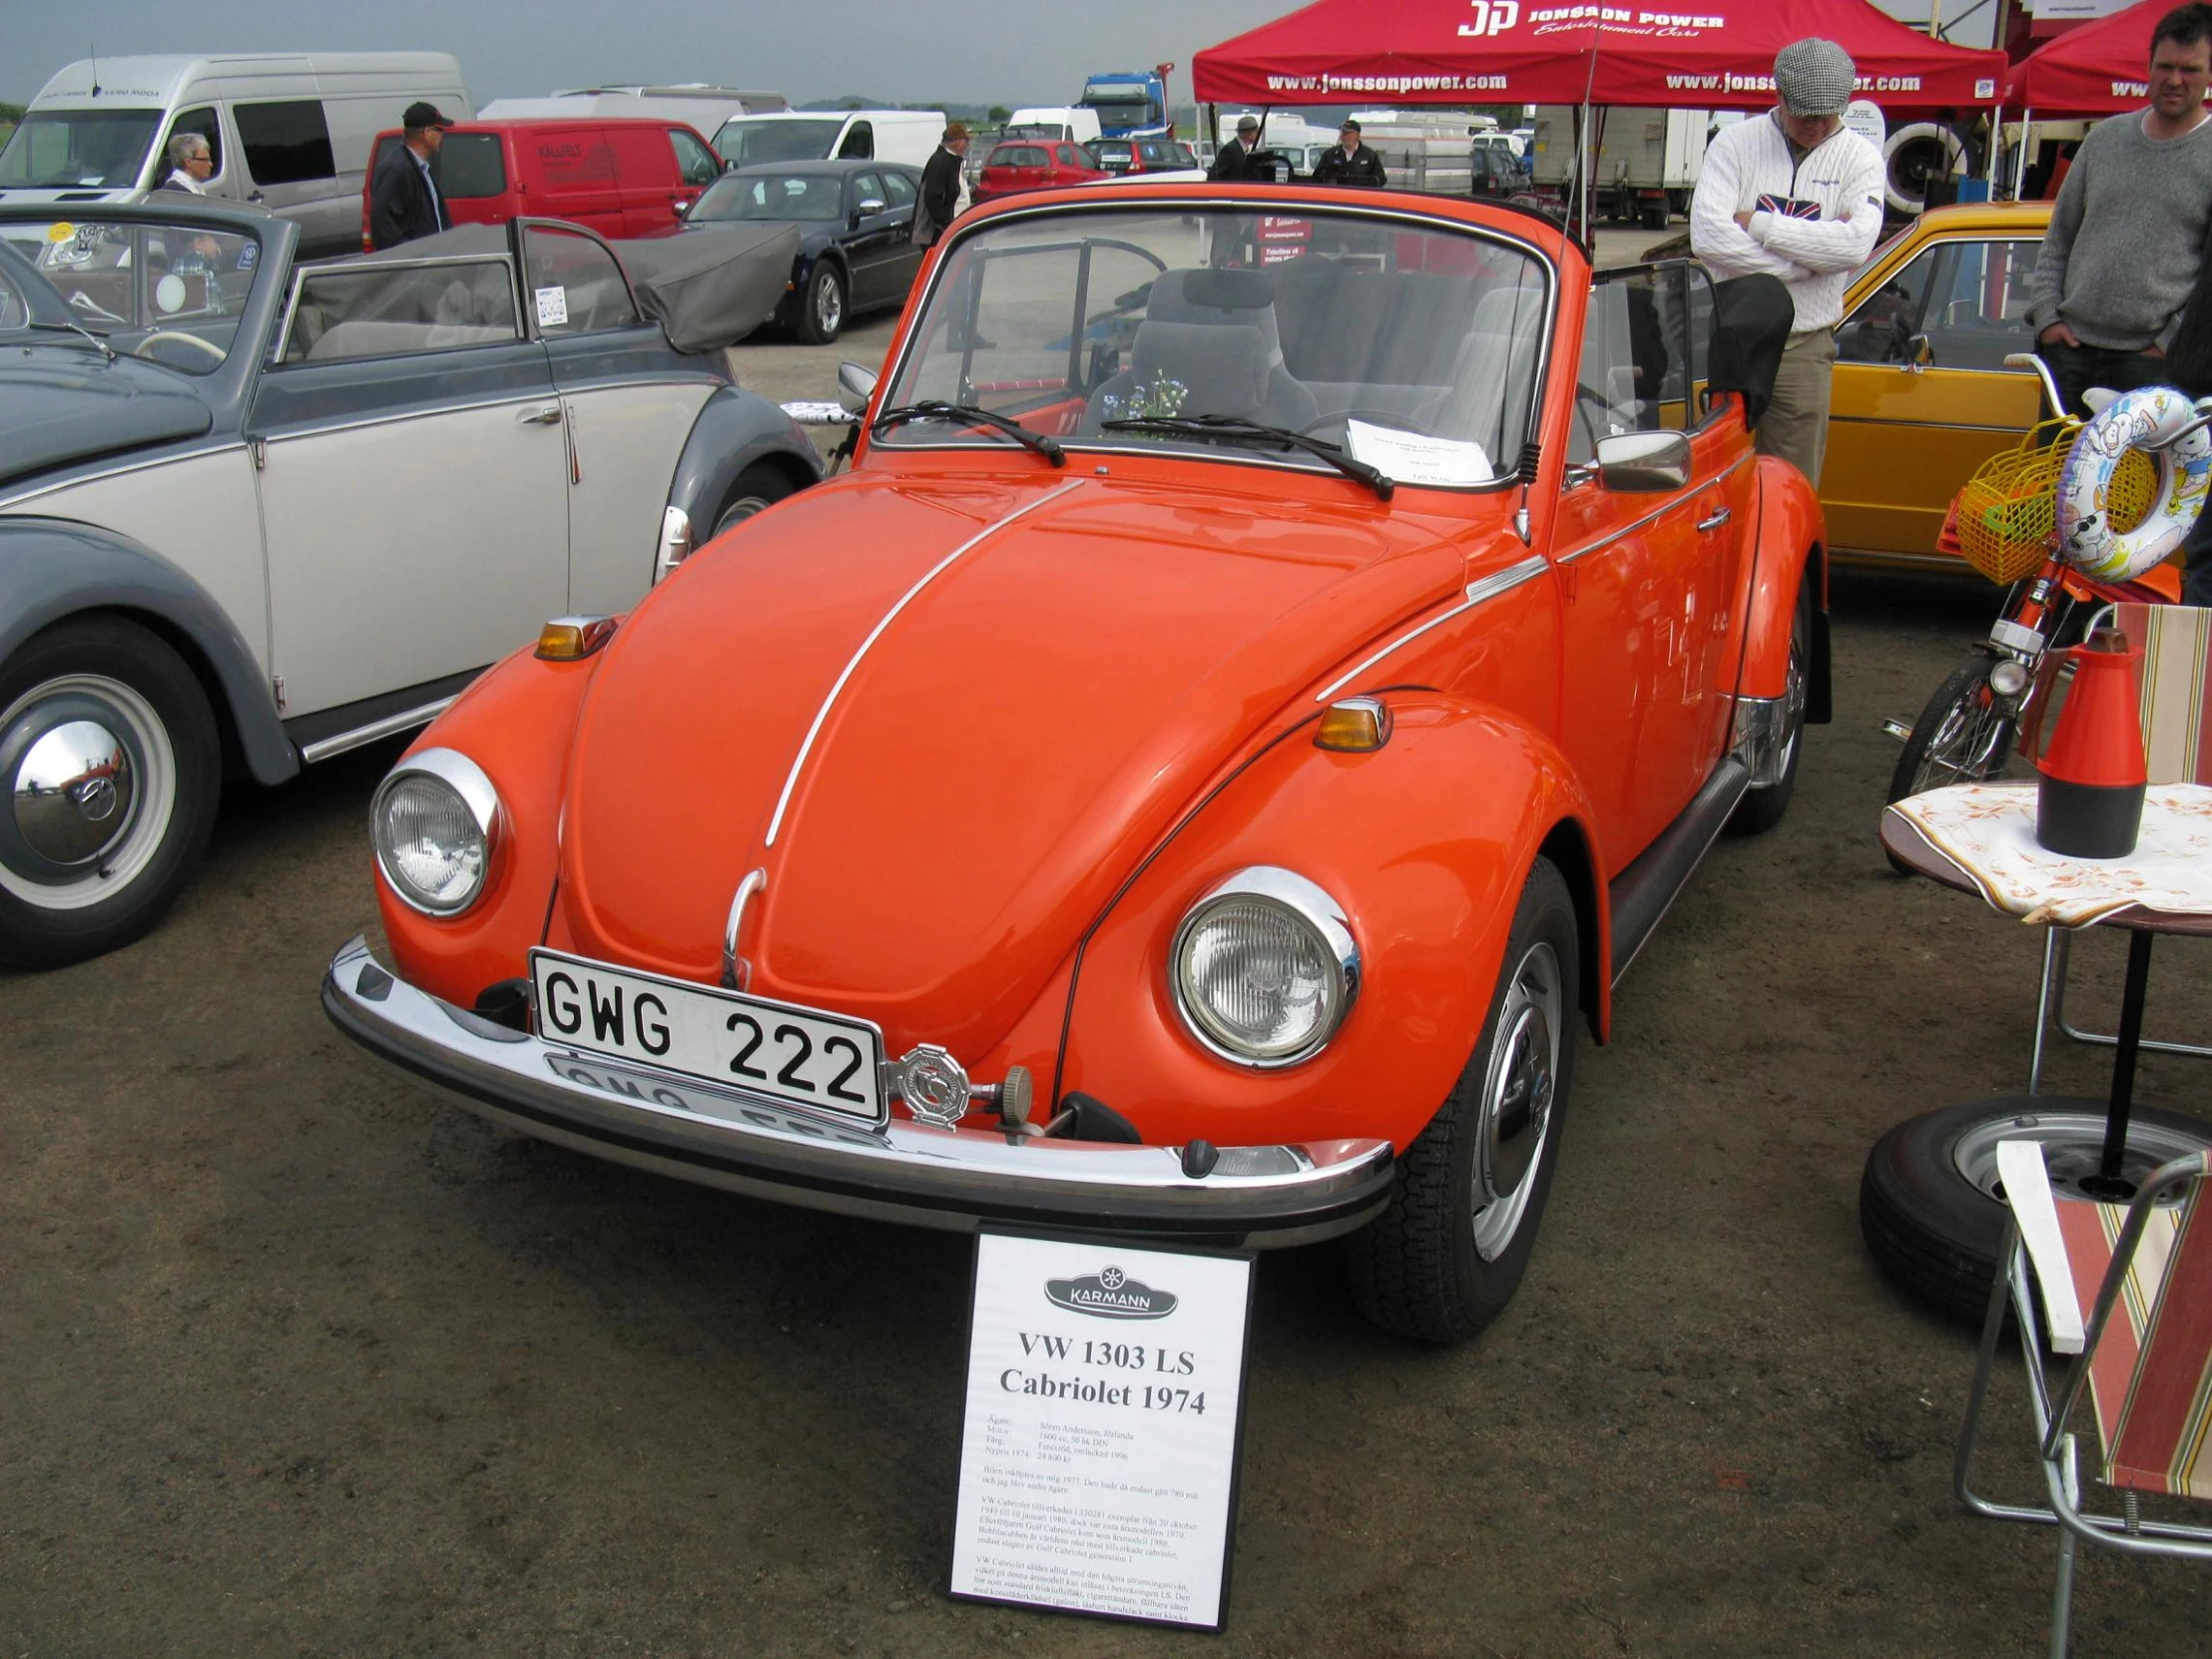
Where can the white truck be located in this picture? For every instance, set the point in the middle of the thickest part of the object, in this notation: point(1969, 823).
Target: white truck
point(1071, 122)
point(1645, 162)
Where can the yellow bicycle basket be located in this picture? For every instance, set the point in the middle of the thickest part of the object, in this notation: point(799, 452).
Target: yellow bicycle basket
point(2006, 514)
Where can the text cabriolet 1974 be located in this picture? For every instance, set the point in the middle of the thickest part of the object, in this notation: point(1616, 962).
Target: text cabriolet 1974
point(1271, 664)
point(253, 515)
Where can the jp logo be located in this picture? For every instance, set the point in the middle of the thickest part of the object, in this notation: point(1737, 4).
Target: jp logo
point(1491, 17)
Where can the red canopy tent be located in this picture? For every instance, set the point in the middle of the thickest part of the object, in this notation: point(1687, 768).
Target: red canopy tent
point(1706, 54)
point(2095, 69)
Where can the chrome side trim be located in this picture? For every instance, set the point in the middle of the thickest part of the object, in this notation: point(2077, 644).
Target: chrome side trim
point(419, 413)
point(805, 748)
point(9, 502)
point(1477, 592)
point(1658, 512)
point(390, 726)
point(1263, 1197)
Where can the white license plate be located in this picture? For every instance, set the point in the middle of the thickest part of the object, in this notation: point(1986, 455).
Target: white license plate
point(798, 1055)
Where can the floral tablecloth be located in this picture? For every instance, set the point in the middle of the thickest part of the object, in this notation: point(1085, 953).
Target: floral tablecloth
point(1988, 830)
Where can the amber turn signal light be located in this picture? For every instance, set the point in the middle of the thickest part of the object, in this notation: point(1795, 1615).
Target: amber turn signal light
point(1354, 725)
point(569, 638)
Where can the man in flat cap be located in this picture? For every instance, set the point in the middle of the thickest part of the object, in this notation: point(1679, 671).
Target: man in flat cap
point(403, 197)
point(1234, 163)
point(1351, 162)
point(1796, 194)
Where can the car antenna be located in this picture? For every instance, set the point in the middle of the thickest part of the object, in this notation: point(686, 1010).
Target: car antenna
point(1531, 452)
point(94, 49)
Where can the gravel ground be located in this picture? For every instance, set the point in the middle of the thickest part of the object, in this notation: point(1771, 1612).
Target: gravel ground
point(295, 1362)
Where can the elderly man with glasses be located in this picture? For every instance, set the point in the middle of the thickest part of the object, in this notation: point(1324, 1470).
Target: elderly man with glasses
point(191, 162)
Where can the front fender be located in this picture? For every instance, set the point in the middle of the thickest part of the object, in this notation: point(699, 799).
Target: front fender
point(1790, 552)
point(515, 720)
point(52, 569)
point(1425, 843)
point(736, 429)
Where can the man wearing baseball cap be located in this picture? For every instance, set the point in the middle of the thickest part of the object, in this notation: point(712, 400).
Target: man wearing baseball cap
point(1795, 193)
point(403, 198)
point(1351, 162)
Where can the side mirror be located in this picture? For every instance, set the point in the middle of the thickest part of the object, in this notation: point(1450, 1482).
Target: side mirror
point(872, 206)
point(1644, 463)
point(855, 386)
point(1919, 352)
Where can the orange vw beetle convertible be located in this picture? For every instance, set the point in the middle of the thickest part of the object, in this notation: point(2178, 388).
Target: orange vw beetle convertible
point(1273, 660)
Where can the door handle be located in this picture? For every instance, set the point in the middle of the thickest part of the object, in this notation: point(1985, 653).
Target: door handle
point(548, 414)
point(1713, 520)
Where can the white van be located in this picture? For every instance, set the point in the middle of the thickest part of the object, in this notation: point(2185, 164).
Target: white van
point(1073, 122)
point(910, 135)
point(701, 108)
point(289, 132)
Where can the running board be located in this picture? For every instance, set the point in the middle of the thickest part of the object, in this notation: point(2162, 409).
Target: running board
point(1642, 892)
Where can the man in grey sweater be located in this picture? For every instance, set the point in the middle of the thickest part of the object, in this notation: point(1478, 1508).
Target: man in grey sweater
point(2128, 231)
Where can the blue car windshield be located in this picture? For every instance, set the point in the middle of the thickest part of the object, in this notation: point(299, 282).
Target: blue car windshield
point(811, 196)
point(77, 150)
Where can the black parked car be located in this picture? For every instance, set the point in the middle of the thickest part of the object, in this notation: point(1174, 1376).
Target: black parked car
point(854, 218)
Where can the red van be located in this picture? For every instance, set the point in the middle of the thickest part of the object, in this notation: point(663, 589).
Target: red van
point(621, 177)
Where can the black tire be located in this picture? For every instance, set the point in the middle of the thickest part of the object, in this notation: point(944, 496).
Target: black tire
point(1430, 1267)
point(756, 489)
point(1964, 736)
point(1936, 1229)
point(73, 883)
point(1652, 216)
point(822, 316)
point(1763, 808)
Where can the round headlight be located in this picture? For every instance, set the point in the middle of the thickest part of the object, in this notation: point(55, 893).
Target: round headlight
point(435, 824)
point(1265, 969)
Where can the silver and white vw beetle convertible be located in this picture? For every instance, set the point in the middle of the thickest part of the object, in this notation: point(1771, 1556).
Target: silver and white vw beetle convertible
point(253, 515)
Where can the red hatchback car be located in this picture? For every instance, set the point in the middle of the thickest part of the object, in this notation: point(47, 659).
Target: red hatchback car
point(1034, 164)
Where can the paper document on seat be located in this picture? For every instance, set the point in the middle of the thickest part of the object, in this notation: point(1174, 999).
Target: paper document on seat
point(1410, 459)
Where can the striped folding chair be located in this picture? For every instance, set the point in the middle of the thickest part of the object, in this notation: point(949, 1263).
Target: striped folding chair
point(2143, 1356)
point(2177, 745)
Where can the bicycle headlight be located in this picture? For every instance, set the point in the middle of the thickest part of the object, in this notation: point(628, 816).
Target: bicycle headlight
point(1265, 969)
point(436, 825)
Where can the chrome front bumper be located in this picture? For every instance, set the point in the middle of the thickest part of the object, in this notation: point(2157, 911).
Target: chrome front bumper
point(1255, 1196)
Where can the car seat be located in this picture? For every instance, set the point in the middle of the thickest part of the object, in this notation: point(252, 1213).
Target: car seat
point(1492, 380)
point(1211, 335)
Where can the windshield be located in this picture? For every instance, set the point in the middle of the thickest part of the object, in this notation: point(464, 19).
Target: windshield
point(1383, 336)
point(746, 143)
point(170, 294)
point(77, 150)
point(770, 195)
point(1118, 109)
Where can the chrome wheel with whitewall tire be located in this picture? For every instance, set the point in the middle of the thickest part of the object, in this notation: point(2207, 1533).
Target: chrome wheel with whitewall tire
point(110, 765)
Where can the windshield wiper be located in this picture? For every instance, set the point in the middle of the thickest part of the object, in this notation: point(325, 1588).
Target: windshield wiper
point(106, 351)
point(1234, 428)
point(935, 408)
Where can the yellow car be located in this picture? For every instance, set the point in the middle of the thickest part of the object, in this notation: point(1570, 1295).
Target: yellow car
point(1921, 395)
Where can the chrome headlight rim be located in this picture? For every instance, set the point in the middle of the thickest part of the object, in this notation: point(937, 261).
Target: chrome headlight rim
point(468, 781)
point(1313, 907)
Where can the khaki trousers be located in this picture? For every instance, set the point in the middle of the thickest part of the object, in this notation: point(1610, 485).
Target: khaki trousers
point(1794, 426)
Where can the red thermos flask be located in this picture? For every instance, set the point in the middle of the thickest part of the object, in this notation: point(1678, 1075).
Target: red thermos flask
point(2089, 796)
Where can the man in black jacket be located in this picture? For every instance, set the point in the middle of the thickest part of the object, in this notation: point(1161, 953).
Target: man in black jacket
point(1233, 163)
point(402, 197)
point(940, 187)
point(1352, 163)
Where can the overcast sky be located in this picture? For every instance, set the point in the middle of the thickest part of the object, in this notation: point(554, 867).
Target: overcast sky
point(961, 51)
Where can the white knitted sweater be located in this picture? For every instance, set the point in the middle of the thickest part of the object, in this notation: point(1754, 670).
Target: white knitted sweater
point(1815, 259)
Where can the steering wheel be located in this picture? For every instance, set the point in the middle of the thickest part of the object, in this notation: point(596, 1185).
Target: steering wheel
point(162, 337)
point(1383, 418)
point(1585, 396)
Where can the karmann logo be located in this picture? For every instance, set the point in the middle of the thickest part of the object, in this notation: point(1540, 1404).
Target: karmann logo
point(1110, 1293)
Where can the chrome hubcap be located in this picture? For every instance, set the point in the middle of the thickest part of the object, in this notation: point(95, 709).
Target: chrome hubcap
point(829, 308)
point(1520, 1089)
point(90, 785)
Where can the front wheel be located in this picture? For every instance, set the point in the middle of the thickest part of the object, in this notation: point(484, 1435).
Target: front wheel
point(1763, 808)
point(824, 313)
point(1447, 1256)
point(112, 768)
point(1962, 737)
point(756, 489)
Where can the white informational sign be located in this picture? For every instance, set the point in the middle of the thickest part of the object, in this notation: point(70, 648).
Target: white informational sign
point(552, 308)
point(1098, 1452)
point(1863, 117)
point(1411, 458)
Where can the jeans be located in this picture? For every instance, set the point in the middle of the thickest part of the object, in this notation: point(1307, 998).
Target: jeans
point(2078, 368)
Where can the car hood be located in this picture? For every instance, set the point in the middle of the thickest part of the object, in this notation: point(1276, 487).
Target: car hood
point(1007, 693)
point(60, 402)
